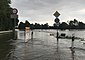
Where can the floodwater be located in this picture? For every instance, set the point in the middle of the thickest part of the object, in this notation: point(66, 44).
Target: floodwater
point(44, 47)
point(5, 46)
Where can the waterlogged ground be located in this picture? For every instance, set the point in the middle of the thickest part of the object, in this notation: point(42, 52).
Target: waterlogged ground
point(45, 47)
point(5, 44)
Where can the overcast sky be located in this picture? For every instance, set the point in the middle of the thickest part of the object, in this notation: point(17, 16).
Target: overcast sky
point(41, 11)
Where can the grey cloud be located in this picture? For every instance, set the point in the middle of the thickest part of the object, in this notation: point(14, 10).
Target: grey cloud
point(39, 9)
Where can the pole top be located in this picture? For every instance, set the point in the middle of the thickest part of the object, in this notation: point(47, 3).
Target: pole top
point(15, 11)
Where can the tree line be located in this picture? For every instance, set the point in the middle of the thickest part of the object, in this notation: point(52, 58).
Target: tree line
point(72, 24)
point(6, 23)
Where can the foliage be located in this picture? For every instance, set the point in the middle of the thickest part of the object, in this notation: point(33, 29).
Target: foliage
point(73, 24)
point(21, 26)
point(6, 23)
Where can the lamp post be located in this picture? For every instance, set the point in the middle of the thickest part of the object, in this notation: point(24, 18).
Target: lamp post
point(14, 16)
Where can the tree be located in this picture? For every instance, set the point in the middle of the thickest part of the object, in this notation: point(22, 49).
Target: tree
point(37, 26)
point(21, 26)
point(5, 14)
point(6, 23)
point(27, 24)
point(32, 26)
point(63, 25)
point(45, 26)
point(76, 22)
point(81, 25)
point(73, 24)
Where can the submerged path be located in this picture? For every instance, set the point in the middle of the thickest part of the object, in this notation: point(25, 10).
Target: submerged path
point(45, 47)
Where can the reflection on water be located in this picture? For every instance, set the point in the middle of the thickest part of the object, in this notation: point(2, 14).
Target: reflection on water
point(72, 51)
point(24, 35)
point(57, 52)
point(42, 47)
point(5, 44)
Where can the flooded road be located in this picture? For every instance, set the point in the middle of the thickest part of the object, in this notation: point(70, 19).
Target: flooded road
point(45, 47)
point(5, 46)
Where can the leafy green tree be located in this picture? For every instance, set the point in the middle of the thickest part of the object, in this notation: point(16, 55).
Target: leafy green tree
point(37, 26)
point(63, 25)
point(73, 24)
point(45, 26)
point(27, 24)
point(6, 23)
point(21, 26)
point(32, 26)
point(81, 25)
point(4, 14)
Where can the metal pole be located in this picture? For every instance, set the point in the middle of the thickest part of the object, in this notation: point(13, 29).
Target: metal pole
point(14, 16)
point(14, 33)
point(57, 36)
